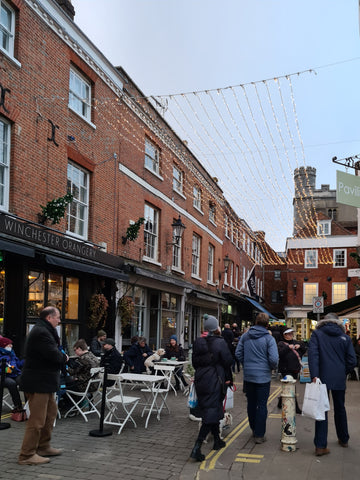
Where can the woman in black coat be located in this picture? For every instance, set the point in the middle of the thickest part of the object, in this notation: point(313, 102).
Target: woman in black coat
point(212, 361)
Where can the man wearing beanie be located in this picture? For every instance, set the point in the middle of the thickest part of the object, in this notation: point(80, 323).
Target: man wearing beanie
point(212, 361)
point(174, 350)
point(97, 343)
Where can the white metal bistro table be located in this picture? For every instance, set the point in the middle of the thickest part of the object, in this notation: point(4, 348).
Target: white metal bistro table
point(174, 363)
point(149, 382)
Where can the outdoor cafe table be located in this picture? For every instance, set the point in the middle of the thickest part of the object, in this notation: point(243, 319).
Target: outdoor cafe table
point(175, 363)
point(148, 382)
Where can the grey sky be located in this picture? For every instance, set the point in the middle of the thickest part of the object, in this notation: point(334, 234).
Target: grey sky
point(175, 46)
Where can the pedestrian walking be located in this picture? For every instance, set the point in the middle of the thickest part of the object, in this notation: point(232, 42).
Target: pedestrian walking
point(40, 379)
point(257, 352)
point(212, 361)
point(331, 358)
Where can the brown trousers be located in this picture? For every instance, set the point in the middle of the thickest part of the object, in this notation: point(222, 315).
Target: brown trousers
point(37, 436)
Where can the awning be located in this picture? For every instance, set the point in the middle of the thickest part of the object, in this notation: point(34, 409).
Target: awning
point(259, 307)
point(17, 248)
point(86, 267)
point(340, 308)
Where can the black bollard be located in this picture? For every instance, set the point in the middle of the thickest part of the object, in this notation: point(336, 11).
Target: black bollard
point(101, 432)
point(3, 426)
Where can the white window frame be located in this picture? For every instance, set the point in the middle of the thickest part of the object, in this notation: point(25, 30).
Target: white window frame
point(152, 157)
point(178, 180)
point(339, 296)
point(176, 253)
point(197, 197)
point(212, 213)
point(237, 277)
point(231, 274)
point(310, 261)
point(78, 181)
point(8, 32)
point(226, 224)
point(324, 227)
point(80, 101)
point(195, 256)
point(5, 164)
point(308, 296)
point(151, 233)
point(339, 251)
point(210, 269)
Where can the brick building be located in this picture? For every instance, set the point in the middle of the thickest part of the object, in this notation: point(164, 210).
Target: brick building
point(72, 122)
point(320, 257)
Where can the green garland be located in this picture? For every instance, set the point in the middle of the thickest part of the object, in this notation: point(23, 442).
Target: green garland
point(54, 210)
point(132, 231)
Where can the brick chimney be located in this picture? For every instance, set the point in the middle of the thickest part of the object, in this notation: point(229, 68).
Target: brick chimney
point(68, 7)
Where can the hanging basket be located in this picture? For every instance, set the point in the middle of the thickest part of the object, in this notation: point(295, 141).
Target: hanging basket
point(97, 310)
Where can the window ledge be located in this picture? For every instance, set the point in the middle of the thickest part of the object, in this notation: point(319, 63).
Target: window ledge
point(10, 57)
point(198, 210)
point(177, 270)
point(76, 235)
point(179, 193)
point(151, 260)
point(92, 125)
point(212, 221)
point(196, 277)
point(154, 173)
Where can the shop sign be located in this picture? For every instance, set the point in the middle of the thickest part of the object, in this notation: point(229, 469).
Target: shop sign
point(46, 238)
point(348, 189)
point(354, 272)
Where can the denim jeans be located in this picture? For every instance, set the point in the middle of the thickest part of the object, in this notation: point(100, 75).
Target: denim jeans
point(321, 427)
point(257, 396)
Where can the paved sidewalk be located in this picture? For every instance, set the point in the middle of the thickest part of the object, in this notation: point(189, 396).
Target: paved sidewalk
point(162, 451)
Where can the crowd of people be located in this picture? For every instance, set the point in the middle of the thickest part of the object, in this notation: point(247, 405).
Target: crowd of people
point(261, 350)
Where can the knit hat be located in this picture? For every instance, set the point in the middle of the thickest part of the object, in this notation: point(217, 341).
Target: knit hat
point(210, 323)
point(173, 337)
point(109, 341)
point(101, 333)
point(5, 341)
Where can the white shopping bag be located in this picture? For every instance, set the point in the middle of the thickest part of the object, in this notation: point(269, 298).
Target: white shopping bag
point(316, 400)
point(229, 399)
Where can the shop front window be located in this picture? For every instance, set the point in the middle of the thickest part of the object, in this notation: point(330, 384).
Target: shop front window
point(60, 291)
point(169, 313)
point(134, 326)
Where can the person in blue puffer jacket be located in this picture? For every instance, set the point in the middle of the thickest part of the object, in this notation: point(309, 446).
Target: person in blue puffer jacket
point(12, 370)
point(331, 358)
point(258, 353)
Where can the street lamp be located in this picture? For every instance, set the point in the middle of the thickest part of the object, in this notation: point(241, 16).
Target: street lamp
point(178, 230)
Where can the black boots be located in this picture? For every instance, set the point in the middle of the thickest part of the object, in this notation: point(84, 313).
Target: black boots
point(196, 452)
point(219, 444)
point(280, 402)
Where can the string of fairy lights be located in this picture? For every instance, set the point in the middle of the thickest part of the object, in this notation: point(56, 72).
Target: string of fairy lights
point(247, 136)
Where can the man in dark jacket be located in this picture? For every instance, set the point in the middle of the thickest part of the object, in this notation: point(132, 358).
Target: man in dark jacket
point(111, 358)
point(137, 354)
point(331, 358)
point(40, 379)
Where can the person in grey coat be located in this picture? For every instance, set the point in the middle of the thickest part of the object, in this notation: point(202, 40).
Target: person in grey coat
point(212, 361)
point(331, 358)
point(258, 353)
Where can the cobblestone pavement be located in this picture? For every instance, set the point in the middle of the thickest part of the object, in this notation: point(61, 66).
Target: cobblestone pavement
point(162, 450)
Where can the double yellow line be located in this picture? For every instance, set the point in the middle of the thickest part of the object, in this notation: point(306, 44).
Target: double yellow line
point(211, 459)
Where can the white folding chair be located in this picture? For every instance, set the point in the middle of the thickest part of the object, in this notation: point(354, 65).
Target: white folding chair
point(163, 388)
point(82, 400)
point(6, 399)
point(120, 406)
